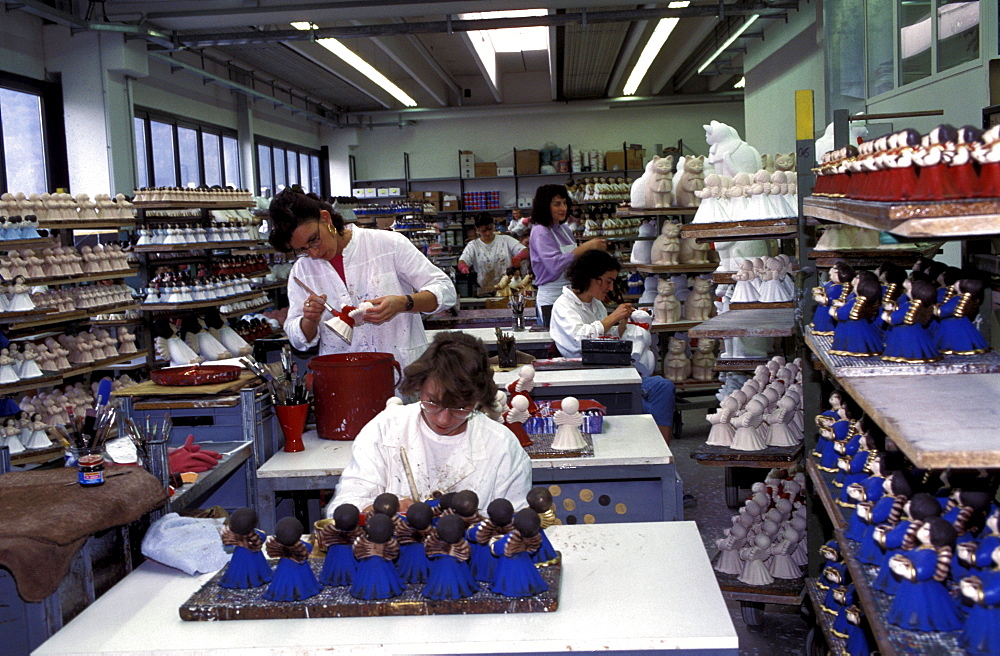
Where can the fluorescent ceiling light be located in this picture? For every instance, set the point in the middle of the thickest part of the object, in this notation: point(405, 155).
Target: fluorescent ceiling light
point(740, 83)
point(363, 67)
point(652, 48)
point(735, 35)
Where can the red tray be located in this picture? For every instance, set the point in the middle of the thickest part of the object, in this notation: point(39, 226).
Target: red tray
point(196, 375)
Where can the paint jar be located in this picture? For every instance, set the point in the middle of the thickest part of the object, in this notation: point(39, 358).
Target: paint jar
point(90, 466)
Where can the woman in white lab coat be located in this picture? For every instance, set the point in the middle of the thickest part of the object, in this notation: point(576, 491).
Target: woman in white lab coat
point(450, 444)
point(346, 265)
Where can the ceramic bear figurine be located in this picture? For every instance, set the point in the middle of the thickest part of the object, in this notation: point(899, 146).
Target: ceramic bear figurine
point(698, 305)
point(659, 188)
point(703, 359)
point(666, 308)
point(667, 247)
point(727, 153)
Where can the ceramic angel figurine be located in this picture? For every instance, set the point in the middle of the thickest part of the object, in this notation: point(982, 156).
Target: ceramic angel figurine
point(667, 247)
point(699, 304)
point(922, 602)
point(248, 568)
point(516, 574)
point(666, 308)
point(747, 436)
point(730, 546)
point(744, 290)
point(226, 335)
point(754, 571)
point(676, 363)
point(338, 538)
point(201, 341)
point(540, 500)
point(500, 514)
point(515, 416)
point(855, 333)
point(955, 333)
point(376, 577)
point(780, 422)
point(29, 368)
point(12, 435)
point(568, 421)
point(522, 386)
point(772, 288)
point(293, 578)
point(448, 551)
point(907, 339)
point(703, 360)
point(126, 340)
point(37, 437)
point(8, 375)
point(981, 633)
point(171, 348)
point(21, 300)
point(721, 433)
point(711, 209)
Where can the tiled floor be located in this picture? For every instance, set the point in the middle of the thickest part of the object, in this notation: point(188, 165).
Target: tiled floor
point(784, 629)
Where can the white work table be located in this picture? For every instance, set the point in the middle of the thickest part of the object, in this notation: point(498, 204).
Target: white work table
point(524, 338)
point(633, 464)
point(625, 587)
point(618, 388)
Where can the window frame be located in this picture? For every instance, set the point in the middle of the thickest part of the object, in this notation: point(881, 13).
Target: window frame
point(311, 155)
point(54, 157)
point(201, 130)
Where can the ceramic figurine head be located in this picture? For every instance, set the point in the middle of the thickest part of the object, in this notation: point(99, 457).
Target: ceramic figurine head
point(500, 512)
point(346, 517)
point(451, 528)
point(539, 499)
point(288, 531)
point(937, 532)
point(386, 504)
point(419, 515)
point(570, 405)
point(527, 522)
point(465, 503)
point(762, 541)
point(242, 521)
point(378, 528)
point(519, 403)
point(753, 508)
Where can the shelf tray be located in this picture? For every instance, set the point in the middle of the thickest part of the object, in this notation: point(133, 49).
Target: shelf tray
point(83, 277)
point(197, 246)
point(739, 364)
point(769, 458)
point(675, 268)
point(85, 224)
point(952, 218)
point(655, 211)
point(213, 603)
point(541, 449)
point(194, 305)
point(937, 421)
point(824, 620)
point(677, 327)
point(903, 254)
point(790, 592)
point(845, 366)
point(823, 484)
point(757, 305)
point(740, 230)
point(748, 323)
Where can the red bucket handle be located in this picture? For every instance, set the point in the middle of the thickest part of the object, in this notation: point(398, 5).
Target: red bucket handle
point(399, 374)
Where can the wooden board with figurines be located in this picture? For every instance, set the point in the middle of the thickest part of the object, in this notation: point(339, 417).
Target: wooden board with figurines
point(440, 557)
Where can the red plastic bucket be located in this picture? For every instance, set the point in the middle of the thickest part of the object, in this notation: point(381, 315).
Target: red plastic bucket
point(350, 389)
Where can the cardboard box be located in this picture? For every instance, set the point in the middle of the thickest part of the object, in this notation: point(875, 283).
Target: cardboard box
point(505, 171)
point(451, 205)
point(415, 195)
point(468, 171)
point(358, 192)
point(486, 169)
point(382, 192)
point(614, 160)
point(526, 162)
point(432, 197)
point(634, 158)
point(395, 192)
point(369, 192)
point(466, 158)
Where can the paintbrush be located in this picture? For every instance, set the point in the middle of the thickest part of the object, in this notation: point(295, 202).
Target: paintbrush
point(341, 323)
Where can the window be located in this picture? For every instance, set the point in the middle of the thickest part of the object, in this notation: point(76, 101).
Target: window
point(23, 146)
point(280, 165)
point(172, 152)
point(880, 51)
point(957, 33)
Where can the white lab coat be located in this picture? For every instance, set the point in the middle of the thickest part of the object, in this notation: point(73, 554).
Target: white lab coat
point(573, 320)
point(376, 263)
point(488, 461)
point(490, 260)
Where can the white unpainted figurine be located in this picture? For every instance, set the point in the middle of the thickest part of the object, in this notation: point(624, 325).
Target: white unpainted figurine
point(637, 332)
point(676, 363)
point(689, 182)
point(37, 437)
point(568, 421)
point(699, 304)
point(743, 289)
point(29, 368)
point(693, 252)
point(721, 433)
point(21, 300)
point(8, 375)
point(660, 187)
point(754, 571)
point(730, 546)
point(12, 435)
point(747, 436)
point(649, 290)
point(703, 360)
point(783, 432)
point(126, 340)
point(642, 249)
point(667, 246)
point(666, 308)
point(711, 209)
point(727, 153)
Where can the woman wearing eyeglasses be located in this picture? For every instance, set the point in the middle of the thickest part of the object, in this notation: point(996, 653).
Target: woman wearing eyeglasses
point(346, 265)
point(579, 313)
point(451, 445)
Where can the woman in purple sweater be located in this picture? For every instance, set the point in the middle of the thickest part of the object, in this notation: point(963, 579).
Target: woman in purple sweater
point(553, 246)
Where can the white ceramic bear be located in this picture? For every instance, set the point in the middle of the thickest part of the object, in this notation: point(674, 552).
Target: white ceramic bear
point(727, 153)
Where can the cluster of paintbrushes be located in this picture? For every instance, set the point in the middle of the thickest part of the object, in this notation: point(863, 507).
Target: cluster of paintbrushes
point(289, 388)
point(151, 433)
point(90, 431)
point(516, 303)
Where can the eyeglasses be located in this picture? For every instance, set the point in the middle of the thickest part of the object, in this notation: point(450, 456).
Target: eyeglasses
point(312, 244)
point(432, 408)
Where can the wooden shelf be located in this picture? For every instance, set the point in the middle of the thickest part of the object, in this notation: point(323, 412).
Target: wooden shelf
point(58, 378)
point(789, 592)
point(678, 327)
point(11, 317)
point(83, 277)
point(932, 219)
point(739, 364)
point(845, 366)
point(249, 310)
point(104, 364)
point(937, 421)
point(85, 224)
point(31, 383)
point(62, 317)
point(195, 305)
point(192, 205)
point(655, 211)
point(691, 385)
point(770, 458)
point(741, 230)
point(619, 239)
point(16, 244)
point(675, 268)
point(748, 323)
point(822, 486)
point(904, 255)
point(32, 456)
point(197, 246)
point(277, 284)
point(757, 305)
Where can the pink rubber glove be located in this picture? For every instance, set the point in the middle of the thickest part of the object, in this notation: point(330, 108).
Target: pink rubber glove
point(463, 268)
point(191, 458)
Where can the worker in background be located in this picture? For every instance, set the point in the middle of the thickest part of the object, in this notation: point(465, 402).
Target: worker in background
point(490, 254)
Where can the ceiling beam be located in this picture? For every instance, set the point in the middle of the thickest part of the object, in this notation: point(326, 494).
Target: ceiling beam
point(329, 62)
point(464, 25)
point(414, 61)
point(467, 40)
